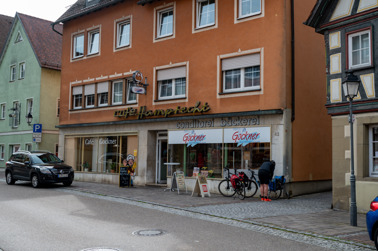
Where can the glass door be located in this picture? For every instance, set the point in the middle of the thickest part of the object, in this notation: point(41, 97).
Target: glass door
point(162, 157)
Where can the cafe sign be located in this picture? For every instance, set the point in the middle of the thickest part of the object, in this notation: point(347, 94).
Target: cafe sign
point(143, 113)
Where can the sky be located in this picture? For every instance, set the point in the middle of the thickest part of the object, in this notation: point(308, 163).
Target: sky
point(49, 10)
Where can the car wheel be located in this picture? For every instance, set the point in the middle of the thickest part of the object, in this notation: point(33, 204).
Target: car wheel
point(9, 178)
point(376, 238)
point(35, 181)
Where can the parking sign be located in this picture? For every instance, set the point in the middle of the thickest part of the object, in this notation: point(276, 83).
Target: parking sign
point(37, 128)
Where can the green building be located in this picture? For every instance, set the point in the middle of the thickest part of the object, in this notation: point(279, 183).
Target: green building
point(30, 66)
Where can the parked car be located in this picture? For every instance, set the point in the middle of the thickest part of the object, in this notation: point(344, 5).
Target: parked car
point(38, 167)
point(372, 221)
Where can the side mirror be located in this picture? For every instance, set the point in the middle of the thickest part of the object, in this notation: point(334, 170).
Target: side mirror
point(27, 163)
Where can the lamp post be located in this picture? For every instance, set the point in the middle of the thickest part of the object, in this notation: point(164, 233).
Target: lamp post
point(350, 86)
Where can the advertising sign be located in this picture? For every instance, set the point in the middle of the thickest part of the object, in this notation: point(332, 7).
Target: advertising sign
point(194, 137)
point(244, 136)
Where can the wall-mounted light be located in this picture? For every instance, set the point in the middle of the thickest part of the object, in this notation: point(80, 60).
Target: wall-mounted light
point(29, 118)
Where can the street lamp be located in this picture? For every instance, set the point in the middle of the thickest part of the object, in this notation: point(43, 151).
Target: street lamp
point(29, 118)
point(350, 86)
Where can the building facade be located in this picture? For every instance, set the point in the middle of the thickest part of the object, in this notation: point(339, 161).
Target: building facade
point(350, 31)
point(193, 85)
point(30, 86)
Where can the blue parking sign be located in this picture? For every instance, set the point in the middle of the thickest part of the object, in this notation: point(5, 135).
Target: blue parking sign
point(37, 128)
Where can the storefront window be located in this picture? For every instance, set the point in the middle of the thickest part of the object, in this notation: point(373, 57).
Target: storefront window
point(103, 154)
point(209, 151)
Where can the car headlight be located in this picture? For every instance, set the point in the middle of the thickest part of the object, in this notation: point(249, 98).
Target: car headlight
point(71, 170)
point(44, 170)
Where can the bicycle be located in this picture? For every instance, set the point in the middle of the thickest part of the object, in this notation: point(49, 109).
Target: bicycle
point(251, 185)
point(231, 185)
point(276, 187)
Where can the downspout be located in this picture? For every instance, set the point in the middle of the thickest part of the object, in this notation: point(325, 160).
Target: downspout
point(53, 28)
point(292, 63)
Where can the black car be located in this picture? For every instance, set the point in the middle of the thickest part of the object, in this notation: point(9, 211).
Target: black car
point(38, 167)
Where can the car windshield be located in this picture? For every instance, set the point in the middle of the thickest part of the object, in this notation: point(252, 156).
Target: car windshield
point(41, 158)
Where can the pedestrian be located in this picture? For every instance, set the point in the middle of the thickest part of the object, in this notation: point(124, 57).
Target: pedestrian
point(265, 175)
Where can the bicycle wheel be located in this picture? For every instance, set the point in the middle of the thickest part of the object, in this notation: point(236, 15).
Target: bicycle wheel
point(225, 188)
point(250, 189)
point(240, 190)
point(274, 195)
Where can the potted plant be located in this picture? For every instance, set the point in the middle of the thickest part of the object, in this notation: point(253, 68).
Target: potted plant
point(113, 167)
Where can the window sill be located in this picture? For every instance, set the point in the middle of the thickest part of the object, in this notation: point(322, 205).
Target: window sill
point(370, 179)
point(249, 15)
point(354, 69)
point(168, 99)
point(243, 91)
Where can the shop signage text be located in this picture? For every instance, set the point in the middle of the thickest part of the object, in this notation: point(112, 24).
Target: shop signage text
point(193, 139)
point(229, 122)
point(144, 113)
point(244, 138)
point(91, 141)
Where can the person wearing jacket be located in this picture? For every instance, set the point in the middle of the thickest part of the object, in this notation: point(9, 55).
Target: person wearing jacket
point(265, 175)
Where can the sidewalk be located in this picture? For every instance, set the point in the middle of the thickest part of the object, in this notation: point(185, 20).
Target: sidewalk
point(304, 214)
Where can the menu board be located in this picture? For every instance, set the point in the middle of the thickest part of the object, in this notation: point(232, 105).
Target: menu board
point(124, 177)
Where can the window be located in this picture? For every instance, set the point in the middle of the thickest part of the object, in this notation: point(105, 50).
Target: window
point(93, 42)
point(78, 47)
point(131, 97)
point(89, 95)
point(18, 38)
point(117, 92)
point(2, 152)
point(28, 147)
point(77, 97)
point(12, 73)
point(205, 13)
point(29, 106)
point(359, 52)
point(123, 34)
point(165, 23)
point(172, 82)
point(373, 151)
point(14, 117)
point(2, 111)
point(58, 107)
point(102, 94)
point(249, 7)
point(22, 70)
point(241, 73)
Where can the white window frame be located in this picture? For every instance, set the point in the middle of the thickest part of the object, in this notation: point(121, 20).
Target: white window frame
point(22, 68)
point(350, 49)
point(87, 99)
point(372, 156)
point(29, 106)
point(241, 65)
point(251, 2)
point(2, 151)
point(2, 110)
point(100, 93)
point(75, 99)
point(16, 114)
point(75, 46)
point(94, 46)
point(121, 24)
point(173, 86)
point(199, 14)
point(129, 96)
point(12, 73)
point(160, 20)
point(119, 82)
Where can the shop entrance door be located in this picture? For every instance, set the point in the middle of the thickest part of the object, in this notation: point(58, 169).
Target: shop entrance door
point(161, 158)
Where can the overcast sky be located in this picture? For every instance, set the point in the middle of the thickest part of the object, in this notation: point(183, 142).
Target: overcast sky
point(45, 9)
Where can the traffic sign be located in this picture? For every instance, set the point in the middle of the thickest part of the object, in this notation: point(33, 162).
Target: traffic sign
point(37, 128)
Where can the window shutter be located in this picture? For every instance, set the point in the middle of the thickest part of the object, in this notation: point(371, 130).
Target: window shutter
point(241, 62)
point(77, 90)
point(89, 89)
point(103, 87)
point(171, 73)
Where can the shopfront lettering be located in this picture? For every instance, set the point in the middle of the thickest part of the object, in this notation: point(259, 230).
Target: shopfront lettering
point(143, 113)
point(101, 141)
point(239, 121)
point(244, 137)
point(193, 139)
point(230, 122)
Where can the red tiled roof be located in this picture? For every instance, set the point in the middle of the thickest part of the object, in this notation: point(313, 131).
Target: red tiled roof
point(46, 43)
point(5, 26)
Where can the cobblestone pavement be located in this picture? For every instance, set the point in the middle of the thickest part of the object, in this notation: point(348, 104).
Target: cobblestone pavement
point(308, 218)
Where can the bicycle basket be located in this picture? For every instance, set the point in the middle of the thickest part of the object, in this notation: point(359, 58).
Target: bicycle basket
point(234, 180)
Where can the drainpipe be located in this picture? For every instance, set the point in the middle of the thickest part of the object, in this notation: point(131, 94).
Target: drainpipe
point(292, 63)
point(53, 28)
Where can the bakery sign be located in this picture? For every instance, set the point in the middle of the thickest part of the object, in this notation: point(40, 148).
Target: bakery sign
point(143, 112)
